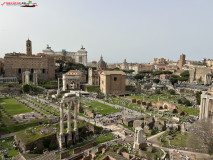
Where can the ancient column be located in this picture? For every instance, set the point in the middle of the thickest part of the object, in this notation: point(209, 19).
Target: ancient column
point(76, 122)
point(64, 83)
point(27, 77)
point(35, 78)
point(61, 137)
point(23, 77)
point(58, 91)
point(69, 132)
point(207, 108)
point(201, 107)
point(182, 128)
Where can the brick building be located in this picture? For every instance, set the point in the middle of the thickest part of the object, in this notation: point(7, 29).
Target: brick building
point(113, 82)
point(17, 63)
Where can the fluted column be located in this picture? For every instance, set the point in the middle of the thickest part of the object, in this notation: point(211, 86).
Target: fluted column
point(76, 122)
point(69, 132)
point(201, 108)
point(61, 136)
point(207, 108)
point(61, 118)
point(64, 83)
point(69, 117)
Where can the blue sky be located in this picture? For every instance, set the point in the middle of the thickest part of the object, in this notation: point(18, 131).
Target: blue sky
point(137, 30)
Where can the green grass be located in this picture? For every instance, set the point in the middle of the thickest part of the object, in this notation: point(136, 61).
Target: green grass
point(188, 110)
point(105, 138)
point(164, 96)
point(32, 134)
point(12, 107)
point(130, 128)
point(17, 127)
point(135, 107)
point(179, 140)
point(101, 108)
point(6, 120)
point(8, 145)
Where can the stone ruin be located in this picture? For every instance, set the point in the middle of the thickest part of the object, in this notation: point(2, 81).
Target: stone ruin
point(26, 77)
point(67, 139)
point(139, 139)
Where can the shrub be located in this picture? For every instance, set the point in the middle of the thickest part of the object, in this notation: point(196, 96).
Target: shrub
point(156, 80)
point(171, 91)
point(157, 91)
point(26, 88)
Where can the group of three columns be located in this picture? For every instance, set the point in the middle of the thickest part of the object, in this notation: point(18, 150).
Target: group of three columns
point(67, 139)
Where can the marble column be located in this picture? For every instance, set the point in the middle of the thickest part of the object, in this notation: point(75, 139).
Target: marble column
point(76, 122)
point(64, 83)
point(201, 108)
point(207, 108)
point(61, 137)
point(69, 132)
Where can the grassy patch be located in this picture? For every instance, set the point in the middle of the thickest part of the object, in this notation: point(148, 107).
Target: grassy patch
point(127, 103)
point(106, 138)
point(101, 108)
point(12, 107)
point(7, 143)
point(17, 127)
point(130, 128)
point(188, 110)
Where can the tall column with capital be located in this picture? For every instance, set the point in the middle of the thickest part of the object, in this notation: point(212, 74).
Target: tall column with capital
point(64, 83)
point(76, 122)
point(61, 137)
point(69, 132)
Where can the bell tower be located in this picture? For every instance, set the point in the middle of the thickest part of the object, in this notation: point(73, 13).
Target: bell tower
point(28, 48)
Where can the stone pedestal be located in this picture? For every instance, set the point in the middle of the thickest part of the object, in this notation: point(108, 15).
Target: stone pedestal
point(61, 141)
point(139, 139)
point(69, 139)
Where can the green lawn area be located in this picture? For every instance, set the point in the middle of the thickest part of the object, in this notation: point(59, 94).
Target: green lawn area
point(101, 108)
point(12, 127)
point(152, 97)
point(33, 133)
point(12, 107)
point(105, 138)
point(179, 140)
point(188, 110)
point(7, 144)
point(47, 108)
point(128, 104)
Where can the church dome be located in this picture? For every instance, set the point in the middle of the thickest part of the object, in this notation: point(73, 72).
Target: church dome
point(101, 64)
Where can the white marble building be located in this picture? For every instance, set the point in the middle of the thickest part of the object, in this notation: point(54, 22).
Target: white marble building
point(79, 57)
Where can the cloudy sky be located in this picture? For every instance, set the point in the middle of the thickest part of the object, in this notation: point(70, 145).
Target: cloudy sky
point(137, 30)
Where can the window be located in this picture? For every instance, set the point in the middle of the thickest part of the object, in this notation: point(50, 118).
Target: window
point(19, 70)
point(43, 70)
point(115, 78)
point(32, 70)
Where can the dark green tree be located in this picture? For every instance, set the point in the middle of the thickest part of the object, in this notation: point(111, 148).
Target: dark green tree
point(156, 80)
